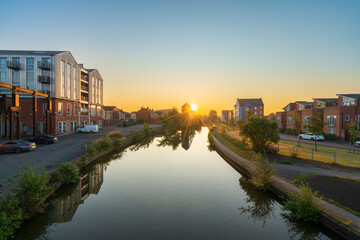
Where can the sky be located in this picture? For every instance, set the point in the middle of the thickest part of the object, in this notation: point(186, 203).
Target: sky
point(165, 53)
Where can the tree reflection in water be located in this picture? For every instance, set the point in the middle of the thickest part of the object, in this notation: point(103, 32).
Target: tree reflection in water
point(145, 143)
point(180, 128)
point(262, 207)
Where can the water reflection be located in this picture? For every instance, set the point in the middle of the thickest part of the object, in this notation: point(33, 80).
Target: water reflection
point(260, 206)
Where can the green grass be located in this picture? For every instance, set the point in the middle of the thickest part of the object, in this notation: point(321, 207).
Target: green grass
point(235, 145)
point(285, 162)
point(340, 205)
point(301, 178)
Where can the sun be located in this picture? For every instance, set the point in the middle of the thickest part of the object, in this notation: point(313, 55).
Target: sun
point(193, 107)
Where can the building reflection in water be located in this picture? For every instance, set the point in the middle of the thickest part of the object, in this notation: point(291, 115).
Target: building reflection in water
point(65, 204)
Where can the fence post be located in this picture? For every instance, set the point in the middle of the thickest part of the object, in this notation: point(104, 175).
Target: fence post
point(312, 154)
point(278, 148)
point(334, 157)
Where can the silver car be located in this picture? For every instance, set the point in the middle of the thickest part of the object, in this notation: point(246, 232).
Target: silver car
point(17, 146)
point(357, 144)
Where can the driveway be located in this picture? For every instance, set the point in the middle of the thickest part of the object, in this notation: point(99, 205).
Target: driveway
point(50, 156)
point(326, 143)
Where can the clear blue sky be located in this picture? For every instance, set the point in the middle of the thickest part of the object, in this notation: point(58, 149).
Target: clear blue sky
point(163, 53)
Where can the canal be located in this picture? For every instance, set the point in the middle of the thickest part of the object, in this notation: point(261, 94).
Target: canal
point(166, 190)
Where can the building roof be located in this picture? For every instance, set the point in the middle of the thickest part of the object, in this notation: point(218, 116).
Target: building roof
point(252, 101)
point(30, 52)
point(356, 96)
point(327, 100)
point(305, 103)
point(109, 108)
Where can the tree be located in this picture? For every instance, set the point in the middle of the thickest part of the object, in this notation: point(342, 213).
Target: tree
point(315, 125)
point(213, 116)
point(260, 132)
point(272, 117)
point(296, 118)
point(353, 131)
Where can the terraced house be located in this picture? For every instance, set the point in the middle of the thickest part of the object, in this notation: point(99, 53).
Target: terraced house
point(337, 113)
point(76, 92)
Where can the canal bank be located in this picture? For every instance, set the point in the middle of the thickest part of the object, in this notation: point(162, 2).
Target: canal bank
point(333, 217)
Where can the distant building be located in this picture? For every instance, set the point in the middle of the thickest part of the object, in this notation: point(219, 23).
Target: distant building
point(254, 105)
point(144, 114)
point(226, 115)
point(125, 115)
point(111, 113)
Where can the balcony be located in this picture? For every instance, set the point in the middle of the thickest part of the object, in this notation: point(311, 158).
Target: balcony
point(86, 89)
point(44, 65)
point(86, 99)
point(45, 91)
point(84, 78)
point(14, 65)
point(44, 79)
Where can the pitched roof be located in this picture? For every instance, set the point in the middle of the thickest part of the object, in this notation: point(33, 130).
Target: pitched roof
point(305, 103)
point(109, 108)
point(30, 52)
point(327, 100)
point(252, 101)
point(356, 96)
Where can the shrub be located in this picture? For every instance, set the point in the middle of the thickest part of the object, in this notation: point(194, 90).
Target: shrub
point(98, 146)
point(262, 172)
point(354, 139)
point(211, 145)
point(147, 129)
point(11, 216)
point(67, 173)
point(302, 204)
point(81, 162)
point(115, 134)
point(31, 189)
point(116, 143)
point(329, 136)
point(135, 136)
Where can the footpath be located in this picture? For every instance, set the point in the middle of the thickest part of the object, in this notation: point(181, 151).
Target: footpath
point(338, 219)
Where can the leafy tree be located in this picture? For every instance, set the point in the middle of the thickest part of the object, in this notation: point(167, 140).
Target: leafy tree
point(272, 117)
point(296, 118)
point(315, 125)
point(353, 131)
point(213, 116)
point(260, 132)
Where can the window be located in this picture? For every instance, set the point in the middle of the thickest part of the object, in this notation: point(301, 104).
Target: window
point(255, 107)
point(290, 121)
point(331, 121)
point(60, 108)
point(260, 107)
point(68, 81)
point(278, 120)
point(30, 79)
point(331, 131)
point(45, 107)
point(358, 128)
point(16, 73)
point(99, 111)
point(76, 109)
point(307, 119)
point(64, 126)
point(97, 90)
point(73, 126)
point(3, 70)
point(93, 111)
point(62, 89)
point(59, 127)
point(45, 72)
point(75, 89)
point(99, 123)
point(260, 112)
point(347, 118)
point(68, 109)
point(93, 90)
point(255, 113)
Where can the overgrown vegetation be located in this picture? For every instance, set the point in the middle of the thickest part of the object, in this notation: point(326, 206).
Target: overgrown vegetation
point(302, 204)
point(115, 134)
point(260, 132)
point(112, 139)
point(211, 145)
point(135, 136)
point(262, 171)
point(129, 123)
point(66, 174)
point(147, 129)
point(11, 216)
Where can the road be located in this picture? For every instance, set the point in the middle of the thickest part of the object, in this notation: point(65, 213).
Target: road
point(50, 156)
point(326, 143)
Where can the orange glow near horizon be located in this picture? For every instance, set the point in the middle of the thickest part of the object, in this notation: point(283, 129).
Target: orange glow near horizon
point(193, 107)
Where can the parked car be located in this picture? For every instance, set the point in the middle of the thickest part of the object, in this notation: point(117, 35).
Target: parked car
point(42, 138)
point(88, 128)
point(17, 146)
point(310, 136)
point(357, 144)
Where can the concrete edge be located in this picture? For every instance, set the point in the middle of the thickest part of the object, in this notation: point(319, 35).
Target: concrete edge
point(331, 216)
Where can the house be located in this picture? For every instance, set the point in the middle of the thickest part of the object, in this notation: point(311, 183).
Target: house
point(76, 92)
point(111, 112)
point(254, 105)
point(227, 115)
point(144, 114)
point(337, 113)
point(125, 115)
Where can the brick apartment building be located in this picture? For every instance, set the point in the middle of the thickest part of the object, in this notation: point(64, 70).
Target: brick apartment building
point(254, 105)
point(336, 112)
point(76, 93)
point(227, 115)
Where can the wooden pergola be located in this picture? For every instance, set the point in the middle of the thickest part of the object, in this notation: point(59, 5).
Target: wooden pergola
point(13, 112)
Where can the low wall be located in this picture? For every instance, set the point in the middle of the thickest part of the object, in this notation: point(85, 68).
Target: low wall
point(333, 217)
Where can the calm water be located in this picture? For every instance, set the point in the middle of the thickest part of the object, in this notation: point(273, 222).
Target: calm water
point(160, 193)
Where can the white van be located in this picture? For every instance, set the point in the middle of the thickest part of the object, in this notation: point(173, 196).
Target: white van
point(88, 128)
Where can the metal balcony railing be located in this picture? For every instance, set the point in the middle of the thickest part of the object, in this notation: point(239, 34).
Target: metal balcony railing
point(85, 99)
point(14, 65)
point(85, 88)
point(44, 79)
point(44, 65)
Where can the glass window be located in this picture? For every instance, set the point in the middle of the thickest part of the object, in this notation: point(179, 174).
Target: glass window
point(59, 127)
point(62, 89)
point(75, 89)
point(93, 90)
point(347, 118)
point(93, 111)
point(64, 127)
point(16, 73)
point(76, 109)
point(99, 111)
point(331, 121)
point(45, 107)
point(68, 81)
point(3, 70)
point(290, 121)
point(68, 109)
point(30, 79)
point(60, 108)
point(331, 131)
